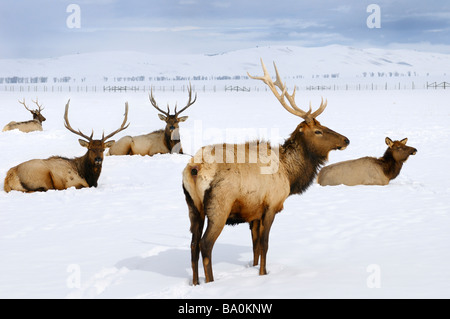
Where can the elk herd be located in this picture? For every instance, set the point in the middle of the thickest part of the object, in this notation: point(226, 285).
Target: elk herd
point(220, 192)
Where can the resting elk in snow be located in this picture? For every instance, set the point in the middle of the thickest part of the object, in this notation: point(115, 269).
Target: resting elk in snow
point(28, 126)
point(158, 142)
point(59, 172)
point(368, 170)
point(239, 191)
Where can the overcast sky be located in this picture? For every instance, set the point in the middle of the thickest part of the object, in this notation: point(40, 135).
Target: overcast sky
point(38, 28)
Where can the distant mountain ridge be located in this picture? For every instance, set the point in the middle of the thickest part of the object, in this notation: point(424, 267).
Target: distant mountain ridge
point(335, 60)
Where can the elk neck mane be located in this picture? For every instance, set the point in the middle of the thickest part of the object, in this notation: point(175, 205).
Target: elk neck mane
point(84, 167)
point(391, 167)
point(168, 141)
point(301, 162)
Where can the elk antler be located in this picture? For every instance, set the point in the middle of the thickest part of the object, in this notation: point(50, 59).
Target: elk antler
point(69, 127)
point(121, 128)
point(189, 103)
point(155, 105)
point(292, 108)
point(39, 106)
point(23, 103)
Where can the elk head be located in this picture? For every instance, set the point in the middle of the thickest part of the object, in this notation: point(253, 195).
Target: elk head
point(319, 139)
point(400, 151)
point(36, 113)
point(95, 148)
point(172, 121)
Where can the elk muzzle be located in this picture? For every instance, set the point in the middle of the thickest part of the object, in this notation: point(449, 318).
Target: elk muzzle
point(346, 143)
point(98, 161)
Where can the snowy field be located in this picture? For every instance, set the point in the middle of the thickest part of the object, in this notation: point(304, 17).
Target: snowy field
point(129, 238)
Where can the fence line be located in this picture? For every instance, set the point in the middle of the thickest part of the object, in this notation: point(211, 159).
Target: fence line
point(218, 88)
point(435, 85)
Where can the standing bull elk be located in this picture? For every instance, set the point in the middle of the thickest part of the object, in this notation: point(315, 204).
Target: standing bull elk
point(157, 142)
point(59, 172)
point(236, 191)
point(368, 170)
point(28, 126)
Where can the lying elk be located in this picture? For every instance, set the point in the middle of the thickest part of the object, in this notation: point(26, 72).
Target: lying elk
point(238, 191)
point(368, 170)
point(28, 126)
point(59, 172)
point(157, 142)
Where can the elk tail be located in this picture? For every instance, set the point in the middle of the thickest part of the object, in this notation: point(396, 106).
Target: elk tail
point(12, 181)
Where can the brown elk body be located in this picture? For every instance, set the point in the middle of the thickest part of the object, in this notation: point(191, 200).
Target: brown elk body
point(229, 188)
point(59, 172)
point(157, 142)
point(368, 170)
point(28, 126)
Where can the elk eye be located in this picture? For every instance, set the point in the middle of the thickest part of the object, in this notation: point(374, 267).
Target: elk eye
point(318, 132)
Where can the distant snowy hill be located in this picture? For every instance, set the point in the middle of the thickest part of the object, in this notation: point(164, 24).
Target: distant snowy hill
point(294, 62)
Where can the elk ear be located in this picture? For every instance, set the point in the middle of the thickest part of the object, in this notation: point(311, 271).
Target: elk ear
point(109, 144)
point(84, 143)
point(404, 141)
point(389, 142)
point(183, 118)
point(162, 117)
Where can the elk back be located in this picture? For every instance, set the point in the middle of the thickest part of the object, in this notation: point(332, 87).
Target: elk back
point(26, 127)
point(42, 175)
point(362, 171)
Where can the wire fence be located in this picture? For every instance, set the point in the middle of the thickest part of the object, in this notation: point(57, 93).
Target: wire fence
point(219, 88)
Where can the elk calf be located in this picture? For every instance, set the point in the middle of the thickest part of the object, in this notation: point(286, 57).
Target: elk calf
point(157, 142)
point(236, 191)
point(28, 126)
point(368, 170)
point(59, 172)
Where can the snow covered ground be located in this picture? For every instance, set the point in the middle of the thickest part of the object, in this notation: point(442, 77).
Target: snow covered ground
point(129, 238)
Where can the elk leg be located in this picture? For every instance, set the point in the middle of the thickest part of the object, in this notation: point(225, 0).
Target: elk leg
point(197, 223)
point(212, 232)
point(255, 230)
point(264, 240)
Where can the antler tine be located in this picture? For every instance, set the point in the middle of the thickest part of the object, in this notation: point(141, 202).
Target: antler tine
point(189, 103)
point(69, 127)
point(24, 104)
point(278, 81)
point(121, 128)
point(155, 105)
point(265, 78)
point(39, 106)
point(320, 109)
point(291, 98)
point(293, 109)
